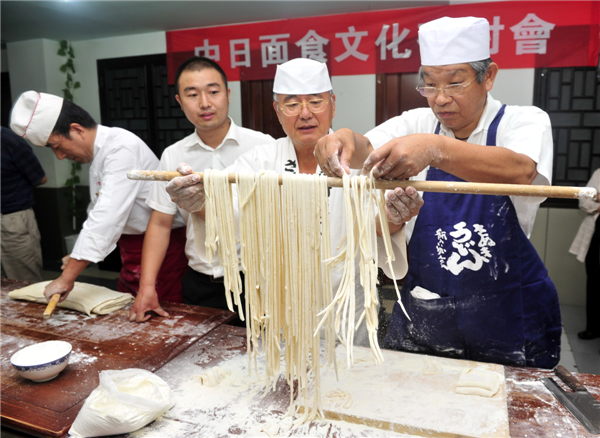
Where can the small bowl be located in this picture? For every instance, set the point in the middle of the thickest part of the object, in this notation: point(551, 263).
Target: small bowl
point(42, 362)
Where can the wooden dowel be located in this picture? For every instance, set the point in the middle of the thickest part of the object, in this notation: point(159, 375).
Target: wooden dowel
point(423, 186)
point(51, 305)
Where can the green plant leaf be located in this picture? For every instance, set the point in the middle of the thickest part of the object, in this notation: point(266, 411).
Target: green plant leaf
point(63, 44)
point(63, 68)
point(76, 85)
point(61, 52)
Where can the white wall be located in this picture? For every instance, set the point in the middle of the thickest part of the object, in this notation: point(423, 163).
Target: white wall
point(514, 86)
point(355, 102)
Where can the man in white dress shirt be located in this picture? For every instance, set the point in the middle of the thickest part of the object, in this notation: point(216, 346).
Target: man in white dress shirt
point(203, 94)
point(117, 209)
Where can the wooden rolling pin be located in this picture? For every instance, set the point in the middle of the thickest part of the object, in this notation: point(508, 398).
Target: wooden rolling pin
point(51, 305)
point(422, 186)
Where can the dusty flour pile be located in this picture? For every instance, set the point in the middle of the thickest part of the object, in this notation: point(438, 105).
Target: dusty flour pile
point(236, 406)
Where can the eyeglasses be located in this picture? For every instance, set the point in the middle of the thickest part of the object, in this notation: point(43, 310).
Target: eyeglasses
point(449, 90)
point(313, 105)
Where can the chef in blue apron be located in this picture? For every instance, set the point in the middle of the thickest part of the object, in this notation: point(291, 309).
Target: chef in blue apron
point(476, 288)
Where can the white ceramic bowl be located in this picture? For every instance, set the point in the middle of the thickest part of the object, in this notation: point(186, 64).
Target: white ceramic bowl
point(42, 362)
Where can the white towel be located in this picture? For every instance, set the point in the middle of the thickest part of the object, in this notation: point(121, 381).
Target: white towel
point(424, 294)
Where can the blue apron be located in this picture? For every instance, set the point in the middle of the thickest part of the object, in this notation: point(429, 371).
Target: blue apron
point(497, 302)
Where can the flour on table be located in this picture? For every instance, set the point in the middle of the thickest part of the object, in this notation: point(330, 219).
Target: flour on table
point(431, 367)
point(79, 357)
point(237, 406)
point(213, 377)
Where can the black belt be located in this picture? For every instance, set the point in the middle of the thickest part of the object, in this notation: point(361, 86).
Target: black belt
point(211, 278)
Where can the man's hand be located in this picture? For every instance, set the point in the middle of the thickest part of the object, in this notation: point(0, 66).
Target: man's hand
point(187, 191)
point(145, 301)
point(402, 157)
point(402, 205)
point(59, 286)
point(334, 152)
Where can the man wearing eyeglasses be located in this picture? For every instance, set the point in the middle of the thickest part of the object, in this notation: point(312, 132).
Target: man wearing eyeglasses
point(476, 288)
point(305, 106)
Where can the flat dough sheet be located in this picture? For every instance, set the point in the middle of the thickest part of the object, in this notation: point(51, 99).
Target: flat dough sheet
point(85, 298)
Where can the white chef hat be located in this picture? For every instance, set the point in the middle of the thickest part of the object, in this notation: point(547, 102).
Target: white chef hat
point(34, 115)
point(301, 76)
point(454, 40)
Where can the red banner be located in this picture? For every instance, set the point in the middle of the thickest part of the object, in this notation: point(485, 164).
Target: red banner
point(524, 34)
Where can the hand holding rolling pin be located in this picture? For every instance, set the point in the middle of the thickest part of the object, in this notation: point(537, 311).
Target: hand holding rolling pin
point(187, 191)
point(59, 286)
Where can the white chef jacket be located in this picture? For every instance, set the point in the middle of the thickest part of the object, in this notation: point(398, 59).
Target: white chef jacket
point(117, 203)
point(200, 156)
point(582, 241)
point(523, 129)
point(280, 156)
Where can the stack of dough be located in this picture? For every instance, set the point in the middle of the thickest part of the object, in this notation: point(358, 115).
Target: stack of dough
point(85, 298)
point(286, 259)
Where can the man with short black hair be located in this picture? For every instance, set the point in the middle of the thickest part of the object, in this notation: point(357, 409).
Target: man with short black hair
point(117, 209)
point(201, 90)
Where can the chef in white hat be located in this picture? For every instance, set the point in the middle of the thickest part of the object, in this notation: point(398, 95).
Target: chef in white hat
point(476, 287)
point(117, 210)
point(304, 102)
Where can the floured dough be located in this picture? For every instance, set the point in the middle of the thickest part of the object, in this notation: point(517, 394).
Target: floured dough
point(340, 398)
point(476, 381)
point(85, 298)
point(213, 377)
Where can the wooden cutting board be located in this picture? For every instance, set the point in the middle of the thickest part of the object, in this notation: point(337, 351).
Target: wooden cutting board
point(402, 396)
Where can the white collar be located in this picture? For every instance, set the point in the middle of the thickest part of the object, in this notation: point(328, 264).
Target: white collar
point(233, 133)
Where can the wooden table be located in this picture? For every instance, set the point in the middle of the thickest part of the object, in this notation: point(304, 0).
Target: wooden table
point(106, 342)
point(533, 411)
